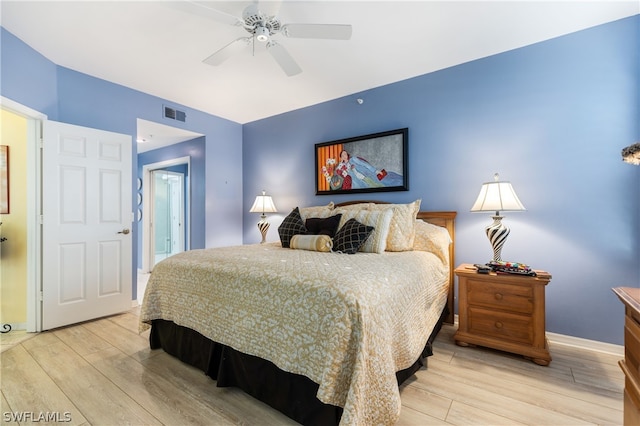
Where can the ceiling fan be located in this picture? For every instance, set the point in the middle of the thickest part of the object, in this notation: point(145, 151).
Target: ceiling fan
point(262, 24)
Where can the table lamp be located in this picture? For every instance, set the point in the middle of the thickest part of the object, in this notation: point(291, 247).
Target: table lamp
point(495, 197)
point(263, 204)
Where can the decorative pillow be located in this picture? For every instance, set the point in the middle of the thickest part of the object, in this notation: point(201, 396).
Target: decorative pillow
point(323, 226)
point(290, 226)
point(356, 206)
point(379, 220)
point(402, 227)
point(351, 236)
point(312, 242)
point(432, 238)
point(316, 211)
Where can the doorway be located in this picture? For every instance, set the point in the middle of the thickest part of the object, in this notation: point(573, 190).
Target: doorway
point(168, 213)
point(32, 190)
point(165, 211)
point(37, 222)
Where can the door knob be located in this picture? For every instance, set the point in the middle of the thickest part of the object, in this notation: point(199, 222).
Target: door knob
point(124, 231)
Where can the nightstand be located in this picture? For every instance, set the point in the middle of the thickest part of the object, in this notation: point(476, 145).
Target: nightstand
point(630, 365)
point(503, 311)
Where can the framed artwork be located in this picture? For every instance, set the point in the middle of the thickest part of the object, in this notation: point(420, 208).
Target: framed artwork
point(4, 179)
point(370, 163)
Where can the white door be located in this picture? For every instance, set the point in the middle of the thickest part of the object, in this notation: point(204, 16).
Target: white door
point(86, 237)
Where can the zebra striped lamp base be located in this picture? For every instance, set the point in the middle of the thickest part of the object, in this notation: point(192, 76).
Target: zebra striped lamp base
point(263, 226)
point(497, 233)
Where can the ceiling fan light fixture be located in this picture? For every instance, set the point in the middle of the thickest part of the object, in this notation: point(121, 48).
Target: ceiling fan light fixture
point(262, 34)
point(262, 26)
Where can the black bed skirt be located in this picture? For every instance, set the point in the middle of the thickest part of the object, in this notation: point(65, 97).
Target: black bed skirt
point(292, 394)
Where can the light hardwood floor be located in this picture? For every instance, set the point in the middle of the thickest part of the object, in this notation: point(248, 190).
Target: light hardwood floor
point(103, 373)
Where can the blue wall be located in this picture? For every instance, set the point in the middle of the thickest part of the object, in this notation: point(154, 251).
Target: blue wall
point(72, 97)
point(195, 149)
point(27, 77)
point(551, 118)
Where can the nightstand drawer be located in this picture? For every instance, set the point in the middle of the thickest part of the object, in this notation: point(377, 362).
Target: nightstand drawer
point(632, 346)
point(508, 297)
point(513, 327)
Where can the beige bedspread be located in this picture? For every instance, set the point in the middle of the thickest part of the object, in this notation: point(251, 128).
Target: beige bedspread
point(348, 322)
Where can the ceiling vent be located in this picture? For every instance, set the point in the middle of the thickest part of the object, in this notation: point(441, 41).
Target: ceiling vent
point(175, 114)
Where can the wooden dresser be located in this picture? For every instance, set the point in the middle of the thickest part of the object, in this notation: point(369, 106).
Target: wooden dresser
point(630, 365)
point(505, 312)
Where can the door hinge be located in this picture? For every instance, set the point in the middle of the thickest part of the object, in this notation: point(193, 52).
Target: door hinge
point(40, 219)
point(40, 143)
point(40, 296)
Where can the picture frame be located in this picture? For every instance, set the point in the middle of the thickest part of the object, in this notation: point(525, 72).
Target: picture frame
point(369, 163)
point(4, 179)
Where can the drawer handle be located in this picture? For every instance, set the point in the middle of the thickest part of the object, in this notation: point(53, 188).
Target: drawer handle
point(498, 324)
point(498, 296)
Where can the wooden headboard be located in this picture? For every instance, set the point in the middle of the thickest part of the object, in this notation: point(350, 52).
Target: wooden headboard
point(446, 219)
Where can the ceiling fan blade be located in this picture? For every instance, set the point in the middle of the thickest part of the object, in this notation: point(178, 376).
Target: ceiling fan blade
point(282, 57)
point(227, 51)
point(326, 31)
point(203, 9)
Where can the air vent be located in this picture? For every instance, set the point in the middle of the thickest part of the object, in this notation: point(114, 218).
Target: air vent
point(175, 114)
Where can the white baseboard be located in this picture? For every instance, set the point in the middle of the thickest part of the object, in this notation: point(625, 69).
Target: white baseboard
point(592, 345)
point(18, 325)
point(577, 342)
point(134, 304)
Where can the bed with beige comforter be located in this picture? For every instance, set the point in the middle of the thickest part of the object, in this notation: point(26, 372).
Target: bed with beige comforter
point(347, 322)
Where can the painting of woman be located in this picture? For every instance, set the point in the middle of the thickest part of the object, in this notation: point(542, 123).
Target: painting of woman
point(370, 163)
point(358, 173)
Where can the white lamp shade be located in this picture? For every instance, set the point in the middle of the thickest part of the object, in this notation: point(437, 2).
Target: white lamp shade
point(263, 204)
point(496, 197)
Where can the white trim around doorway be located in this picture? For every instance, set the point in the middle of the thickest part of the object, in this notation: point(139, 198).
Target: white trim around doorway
point(148, 207)
point(34, 208)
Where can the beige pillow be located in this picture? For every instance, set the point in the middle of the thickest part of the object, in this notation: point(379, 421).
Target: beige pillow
point(317, 211)
point(357, 206)
point(380, 220)
point(402, 227)
point(311, 242)
point(434, 239)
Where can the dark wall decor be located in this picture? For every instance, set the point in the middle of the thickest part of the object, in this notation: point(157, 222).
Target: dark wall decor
point(370, 163)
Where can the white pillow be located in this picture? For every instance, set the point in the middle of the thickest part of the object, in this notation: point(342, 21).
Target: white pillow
point(316, 211)
point(380, 220)
point(402, 227)
point(356, 206)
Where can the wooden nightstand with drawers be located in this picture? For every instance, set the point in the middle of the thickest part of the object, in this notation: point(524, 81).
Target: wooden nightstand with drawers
point(505, 312)
point(630, 365)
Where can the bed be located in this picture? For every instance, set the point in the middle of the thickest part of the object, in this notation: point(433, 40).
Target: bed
point(302, 330)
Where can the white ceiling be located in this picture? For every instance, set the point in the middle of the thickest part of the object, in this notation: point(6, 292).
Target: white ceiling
point(155, 135)
point(156, 48)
